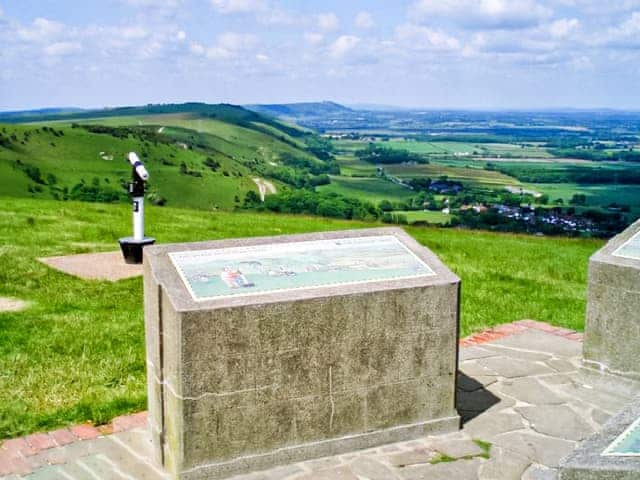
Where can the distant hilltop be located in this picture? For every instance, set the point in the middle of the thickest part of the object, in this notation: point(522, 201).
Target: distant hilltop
point(304, 109)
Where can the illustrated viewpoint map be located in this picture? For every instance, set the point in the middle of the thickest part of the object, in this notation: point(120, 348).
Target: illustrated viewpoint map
point(235, 271)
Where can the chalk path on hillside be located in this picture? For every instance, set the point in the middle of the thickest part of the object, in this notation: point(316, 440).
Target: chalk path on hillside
point(12, 304)
point(264, 187)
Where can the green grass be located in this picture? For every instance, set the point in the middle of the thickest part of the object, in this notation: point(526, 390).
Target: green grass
point(78, 353)
point(367, 189)
point(425, 216)
point(468, 174)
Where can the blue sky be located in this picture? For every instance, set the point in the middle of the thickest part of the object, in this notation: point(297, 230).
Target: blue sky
point(422, 53)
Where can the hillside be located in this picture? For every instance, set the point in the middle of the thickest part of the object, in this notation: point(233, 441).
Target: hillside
point(199, 155)
point(298, 110)
point(78, 353)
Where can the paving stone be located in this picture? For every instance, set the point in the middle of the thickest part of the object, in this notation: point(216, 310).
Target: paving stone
point(538, 341)
point(457, 448)
point(94, 266)
point(75, 471)
point(47, 473)
point(412, 457)
point(529, 390)
point(473, 368)
point(540, 472)
point(538, 448)
point(518, 354)
point(557, 421)
point(490, 424)
point(372, 469)
point(40, 441)
point(279, 473)
point(561, 365)
point(337, 473)
point(604, 400)
point(85, 431)
point(503, 466)
point(556, 379)
point(470, 353)
point(323, 463)
point(600, 417)
point(512, 367)
point(458, 470)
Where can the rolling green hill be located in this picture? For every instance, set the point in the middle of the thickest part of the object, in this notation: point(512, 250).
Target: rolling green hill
point(199, 156)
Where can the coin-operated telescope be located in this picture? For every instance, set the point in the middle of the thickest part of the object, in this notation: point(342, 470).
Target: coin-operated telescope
point(132, 246)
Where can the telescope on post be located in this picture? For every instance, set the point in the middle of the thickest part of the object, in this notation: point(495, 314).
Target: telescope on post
point(132, 246)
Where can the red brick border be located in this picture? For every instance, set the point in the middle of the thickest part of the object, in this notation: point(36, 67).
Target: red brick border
point(501, 331)
point(13, 453)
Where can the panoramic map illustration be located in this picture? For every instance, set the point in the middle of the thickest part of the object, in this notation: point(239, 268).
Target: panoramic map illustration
point(235, 271)
point(627, 444)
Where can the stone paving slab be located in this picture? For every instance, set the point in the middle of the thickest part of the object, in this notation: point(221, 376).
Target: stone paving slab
point(517, 426)
point(94, 266)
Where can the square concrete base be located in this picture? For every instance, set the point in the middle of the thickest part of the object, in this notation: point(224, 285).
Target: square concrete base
point(246, 382)
point(587, 461)
point(612, 329)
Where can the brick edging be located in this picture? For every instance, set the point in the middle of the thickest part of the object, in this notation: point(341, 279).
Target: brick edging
point(501, 331)
point(13, 452)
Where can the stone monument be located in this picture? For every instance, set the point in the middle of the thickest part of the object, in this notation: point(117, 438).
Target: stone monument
point(612, 329)
point(266, 351)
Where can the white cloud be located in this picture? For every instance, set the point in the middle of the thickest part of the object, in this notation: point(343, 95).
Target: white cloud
point(261, 57)
point(364, 20)
point(41, 30)
point(60, 49)
point(417, 37)
point(564, 27)
point(313, 38)
point(239, 6)
point(227, 46)
point(342, 46)
point(181, 35)
point(482, 14)
point(134, 32)
point(196, 48)
point(328, 21)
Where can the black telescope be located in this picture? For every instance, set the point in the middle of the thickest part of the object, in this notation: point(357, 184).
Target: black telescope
point(132, 246)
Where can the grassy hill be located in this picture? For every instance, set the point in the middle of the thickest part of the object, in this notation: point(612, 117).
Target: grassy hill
point(78, 353)
point(199, 156)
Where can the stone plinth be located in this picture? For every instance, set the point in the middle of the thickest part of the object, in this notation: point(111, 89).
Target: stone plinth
point(612, 330)
point(595, 459)
point(267, 351)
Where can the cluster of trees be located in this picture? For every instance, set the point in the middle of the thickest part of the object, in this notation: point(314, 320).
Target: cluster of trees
point(379, 154)
point(325, 204)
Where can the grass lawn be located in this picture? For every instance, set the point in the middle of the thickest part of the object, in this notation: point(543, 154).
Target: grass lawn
point(425, 216)
point(78, 353)
point(370, 189)
point(472, 175)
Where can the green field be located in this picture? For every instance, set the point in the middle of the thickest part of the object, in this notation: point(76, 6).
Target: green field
point(367, 189)
point(474, 176)
point(77, 353)
point(434, 217)
point(439, 148)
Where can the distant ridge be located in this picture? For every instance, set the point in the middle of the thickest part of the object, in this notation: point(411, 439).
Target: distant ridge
point(307, 109)
point(40, 111)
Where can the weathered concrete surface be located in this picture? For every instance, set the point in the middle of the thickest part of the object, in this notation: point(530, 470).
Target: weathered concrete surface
point(612, 329)
point(518, 451)
point(238, 384)
point(587, 463)
point(94, 266)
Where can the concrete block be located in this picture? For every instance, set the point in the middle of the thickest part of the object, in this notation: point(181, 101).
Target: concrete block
point(250, 379)
point(612, 329)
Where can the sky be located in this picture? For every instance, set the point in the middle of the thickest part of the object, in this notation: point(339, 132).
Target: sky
point(480, 54)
